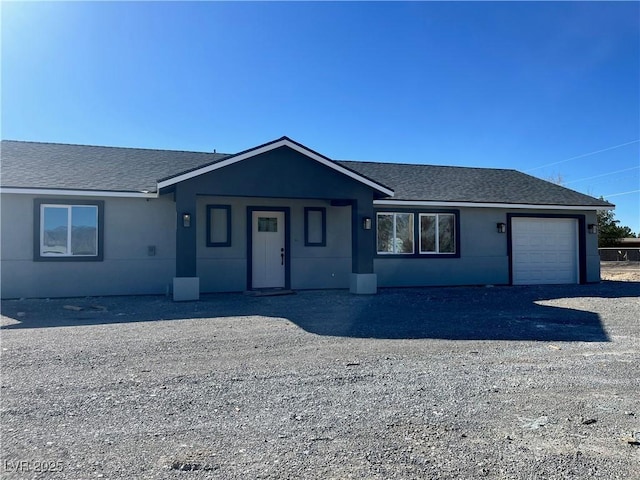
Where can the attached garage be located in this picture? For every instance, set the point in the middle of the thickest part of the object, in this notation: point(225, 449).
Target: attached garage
point(545, 251)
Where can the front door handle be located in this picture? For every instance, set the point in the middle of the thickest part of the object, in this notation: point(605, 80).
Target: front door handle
point(282, 256)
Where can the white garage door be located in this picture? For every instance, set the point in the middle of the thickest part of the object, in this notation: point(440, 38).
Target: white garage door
point(544, 250)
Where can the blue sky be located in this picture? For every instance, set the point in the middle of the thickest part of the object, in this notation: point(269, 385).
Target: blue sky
point(549, 88)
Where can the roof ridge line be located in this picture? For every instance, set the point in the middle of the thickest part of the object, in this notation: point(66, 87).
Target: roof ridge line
point(114, 147)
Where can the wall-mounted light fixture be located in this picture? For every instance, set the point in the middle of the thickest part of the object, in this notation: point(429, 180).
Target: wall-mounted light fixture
point(366, 223)
point(186, 220)
point(592, 228)
point(502, 227)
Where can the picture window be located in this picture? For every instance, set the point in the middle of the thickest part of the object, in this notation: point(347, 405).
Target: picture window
point(68, 231)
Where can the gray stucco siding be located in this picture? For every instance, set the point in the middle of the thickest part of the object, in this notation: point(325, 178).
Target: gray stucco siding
point(592, 253)
point(130, 227)
point(224, 269)
point(222, 274)
point(435, 272)
point(328, 266)
point(484, 253)
point(16, 217)
point(482, 256)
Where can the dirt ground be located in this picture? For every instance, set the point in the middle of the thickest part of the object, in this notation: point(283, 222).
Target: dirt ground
point(620, 271)
point(502, 383)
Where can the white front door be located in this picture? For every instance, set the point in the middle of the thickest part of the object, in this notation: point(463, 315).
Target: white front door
point(268, 255)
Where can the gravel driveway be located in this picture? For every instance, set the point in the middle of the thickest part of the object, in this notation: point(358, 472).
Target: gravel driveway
point(442, 383)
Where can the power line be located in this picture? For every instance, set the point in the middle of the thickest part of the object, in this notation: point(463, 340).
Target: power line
point(584, 155)
point(603, 175)
point(618, 194)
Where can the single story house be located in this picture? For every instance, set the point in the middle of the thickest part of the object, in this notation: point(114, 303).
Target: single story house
point(89, 221)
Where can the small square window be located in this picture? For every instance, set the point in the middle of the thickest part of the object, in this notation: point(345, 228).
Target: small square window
point(218, 225)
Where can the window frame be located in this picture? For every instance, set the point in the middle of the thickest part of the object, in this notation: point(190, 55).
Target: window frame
point(38, 217)
point(417, 212)
point(323, 242)
point(413, 243)
point(437, 233)
point(227, 242)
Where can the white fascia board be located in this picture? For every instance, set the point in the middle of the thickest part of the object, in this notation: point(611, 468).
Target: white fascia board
point(412, 203)
point(268, 148)
point(77, 193)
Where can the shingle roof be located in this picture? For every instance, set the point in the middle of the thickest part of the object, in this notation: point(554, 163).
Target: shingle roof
point(83, 167)
point(464, 184)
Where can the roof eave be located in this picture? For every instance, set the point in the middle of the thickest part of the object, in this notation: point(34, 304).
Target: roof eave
point(79, 193)
point(440, 203)
point(267, 147)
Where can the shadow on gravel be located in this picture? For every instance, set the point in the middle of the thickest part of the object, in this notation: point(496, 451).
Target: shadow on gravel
point(455, 313)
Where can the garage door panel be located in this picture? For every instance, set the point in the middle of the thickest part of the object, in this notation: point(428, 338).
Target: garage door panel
point(544, 251)
point(550, 258)
point(552, 241)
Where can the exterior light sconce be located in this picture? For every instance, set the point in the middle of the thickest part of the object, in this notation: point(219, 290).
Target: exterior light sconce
point(186, 220)
point(502, 227)
point(592, 228)
point(366, 223)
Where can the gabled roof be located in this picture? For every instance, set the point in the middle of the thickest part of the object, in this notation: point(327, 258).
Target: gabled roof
point(267, 147)
point(461, 185)
point(31, 167)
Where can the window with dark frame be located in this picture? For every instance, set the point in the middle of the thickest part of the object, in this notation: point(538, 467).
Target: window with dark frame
point(395, 233)
point(68, 231)
point(218, 225)
point(434, 233)
point(315, 227)
point(437, 233)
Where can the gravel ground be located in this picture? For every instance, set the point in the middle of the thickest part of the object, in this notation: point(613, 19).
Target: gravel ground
point(443, 383)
